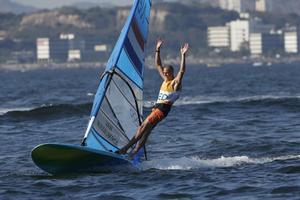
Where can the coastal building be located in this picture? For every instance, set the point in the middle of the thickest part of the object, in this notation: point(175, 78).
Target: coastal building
point(280, 7)
point(67, 36)
point(258, 32)
point(266, 43)
point(273, 43)
point(291, 42)
point(218, 36)
point(43, 49)
point(255, 44)
point(101, 48)
point(59, 50)
point(256, 26)
point(74, 55)
point(51, 50)
point(260, 6)
point(68, 48)
point(237, 5)
point(231, 5)
point(94, 50)
point(239, 34)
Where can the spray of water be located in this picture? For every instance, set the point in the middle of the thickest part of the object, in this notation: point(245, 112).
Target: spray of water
point(186, 163)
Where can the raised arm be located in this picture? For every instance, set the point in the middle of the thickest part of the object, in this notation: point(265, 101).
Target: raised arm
point(180, 74)
point(157, 58)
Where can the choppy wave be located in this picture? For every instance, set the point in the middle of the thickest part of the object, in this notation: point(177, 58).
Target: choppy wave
point(186, 163)
point(85, 107)
point(3, 111)
point(47, 111)
point(271, 99)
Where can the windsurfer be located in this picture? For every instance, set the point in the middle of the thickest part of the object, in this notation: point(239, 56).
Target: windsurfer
point(169, 93)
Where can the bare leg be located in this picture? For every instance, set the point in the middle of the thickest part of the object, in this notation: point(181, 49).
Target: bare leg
point(142, 141)
point(145, 128)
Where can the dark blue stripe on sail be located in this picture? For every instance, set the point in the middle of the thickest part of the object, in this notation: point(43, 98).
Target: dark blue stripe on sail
point(133, 57)
point(124, 74)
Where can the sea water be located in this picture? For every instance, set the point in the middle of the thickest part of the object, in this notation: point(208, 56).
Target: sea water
point(233, 134)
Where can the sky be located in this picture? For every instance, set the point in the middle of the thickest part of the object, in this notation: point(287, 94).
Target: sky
point(58, 3)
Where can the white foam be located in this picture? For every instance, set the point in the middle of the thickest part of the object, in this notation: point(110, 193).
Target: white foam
point(90, 94)
point(3, 111)
point(186, 163)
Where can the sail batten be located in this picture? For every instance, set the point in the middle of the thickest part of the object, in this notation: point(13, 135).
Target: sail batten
point(117, 108)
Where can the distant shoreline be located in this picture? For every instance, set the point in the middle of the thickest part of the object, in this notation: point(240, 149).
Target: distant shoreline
point(37, 66)
point(209, 62)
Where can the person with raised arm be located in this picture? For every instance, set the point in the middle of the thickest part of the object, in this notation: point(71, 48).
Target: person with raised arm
point(169, 92)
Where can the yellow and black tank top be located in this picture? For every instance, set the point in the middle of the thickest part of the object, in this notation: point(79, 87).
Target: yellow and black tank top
point(167, 96)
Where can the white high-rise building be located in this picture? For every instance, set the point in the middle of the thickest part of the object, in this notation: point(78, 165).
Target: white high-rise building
point(218, 36)
point(255, 44)
point(43, 49)
point(291, 42)
point(239, 34)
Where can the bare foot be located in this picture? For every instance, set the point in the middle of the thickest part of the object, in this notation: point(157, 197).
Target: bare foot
point(121, 151)
point(132, 153)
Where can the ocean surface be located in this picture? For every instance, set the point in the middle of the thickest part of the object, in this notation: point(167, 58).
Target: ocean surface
point(233, 134)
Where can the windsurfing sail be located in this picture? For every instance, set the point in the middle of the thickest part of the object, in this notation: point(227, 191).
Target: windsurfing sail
point(117, 107)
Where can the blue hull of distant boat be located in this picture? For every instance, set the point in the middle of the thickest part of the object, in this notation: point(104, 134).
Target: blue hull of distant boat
point(66, 159)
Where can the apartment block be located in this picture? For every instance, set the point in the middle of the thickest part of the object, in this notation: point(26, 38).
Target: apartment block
point(239, 34)
point(291, 42)
point(218, 36)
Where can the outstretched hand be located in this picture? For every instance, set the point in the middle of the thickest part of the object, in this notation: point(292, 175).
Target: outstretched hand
point(159, 43)
point(184, 48)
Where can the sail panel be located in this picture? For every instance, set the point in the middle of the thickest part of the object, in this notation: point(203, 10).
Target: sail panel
point(125, 112)
point(118, 116)
point(137, 34)
point(109, 131)
point(126, 66)
point(137, 63)
point(95, 141)
point(108, 125)
point(136, 46)
point(142, 16)
point(117, 108)
point(132, 88)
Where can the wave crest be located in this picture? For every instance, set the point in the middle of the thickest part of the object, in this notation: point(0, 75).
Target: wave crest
point(47, 111)
point(186, 163)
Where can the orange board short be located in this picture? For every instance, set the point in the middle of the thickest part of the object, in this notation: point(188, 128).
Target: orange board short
point(155, 116)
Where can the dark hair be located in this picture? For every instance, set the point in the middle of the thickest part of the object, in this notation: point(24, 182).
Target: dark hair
point(170, 67)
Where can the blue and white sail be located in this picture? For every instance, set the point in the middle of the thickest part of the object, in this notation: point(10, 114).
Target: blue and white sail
point(117, 108)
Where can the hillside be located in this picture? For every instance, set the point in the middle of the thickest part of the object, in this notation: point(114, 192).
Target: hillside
point(174, 21)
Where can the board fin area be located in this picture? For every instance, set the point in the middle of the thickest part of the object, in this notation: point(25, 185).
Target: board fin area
point(65, 159)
